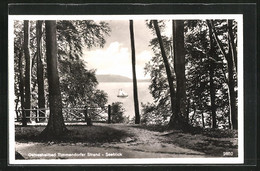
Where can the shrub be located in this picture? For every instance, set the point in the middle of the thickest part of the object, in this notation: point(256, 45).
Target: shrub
point(154, 115)
point(117, 112)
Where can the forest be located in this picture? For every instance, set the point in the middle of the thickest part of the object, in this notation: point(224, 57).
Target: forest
point(193, 73)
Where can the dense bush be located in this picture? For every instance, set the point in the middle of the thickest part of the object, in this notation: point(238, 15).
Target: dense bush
point(154, 115)
point(117, 113)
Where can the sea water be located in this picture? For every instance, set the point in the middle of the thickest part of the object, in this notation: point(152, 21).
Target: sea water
point(112, 88)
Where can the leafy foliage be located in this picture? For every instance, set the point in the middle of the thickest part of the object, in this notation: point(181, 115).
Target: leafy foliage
point(199, 62)
point(159, 111)
point(78, 84)
point(154, 115)
point(117, 112)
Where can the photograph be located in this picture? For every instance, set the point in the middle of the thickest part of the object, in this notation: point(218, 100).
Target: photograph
point(125, 89)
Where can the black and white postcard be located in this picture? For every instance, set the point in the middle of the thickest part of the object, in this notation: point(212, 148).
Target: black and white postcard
point(126, 89)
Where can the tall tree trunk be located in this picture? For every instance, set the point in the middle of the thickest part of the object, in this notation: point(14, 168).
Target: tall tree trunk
point(21, 88)
point(174, 118)
point(27, 104)
point(194, 113)
point(40, 78)
point(229, 119)
point(231, 58)
point(232, 43)
point(188, 110)
point(202, 119)
point(16, 108)
point(179, 65)
point(212, 95)
point(179, 60)
point(211, 74)
point(200, 96)
point(56, 125)
point(137, 114)
point(232, 93)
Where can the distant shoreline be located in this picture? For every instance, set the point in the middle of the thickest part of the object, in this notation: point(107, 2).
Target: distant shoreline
point(117, 78)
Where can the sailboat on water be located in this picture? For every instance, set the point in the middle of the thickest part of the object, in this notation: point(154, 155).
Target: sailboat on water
point(122, 94)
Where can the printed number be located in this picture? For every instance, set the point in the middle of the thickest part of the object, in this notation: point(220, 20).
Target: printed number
point(227, 153)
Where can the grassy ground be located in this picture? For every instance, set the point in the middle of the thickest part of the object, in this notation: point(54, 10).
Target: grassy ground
point(130, 140)
point(212, 142)
point(78, 133)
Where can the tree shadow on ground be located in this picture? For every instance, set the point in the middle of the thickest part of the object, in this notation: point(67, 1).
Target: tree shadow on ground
point(82, 133)
point(212, 142)
point(204, 142)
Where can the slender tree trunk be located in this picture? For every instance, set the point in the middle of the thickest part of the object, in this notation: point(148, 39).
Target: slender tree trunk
point(232, 43)
point(212, 96)
point(40, 78)
point(211, 74)
point(194, 113)
point(173, 47)
point(200, 88)
point(188, 110)
point(202, 119)
point(27, 104)
point(137, 114)
point(179, 60)
point(232, 93)
point(56, 125)
point(174, 118)
point(229, 120)
point(21, 88)
point(16, 108)
point(231, 82)
point(231, 58)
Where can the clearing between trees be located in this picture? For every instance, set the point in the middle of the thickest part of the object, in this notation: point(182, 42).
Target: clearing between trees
point(125, 141)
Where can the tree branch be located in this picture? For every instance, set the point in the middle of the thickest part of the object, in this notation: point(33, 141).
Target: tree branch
point(212, 27)
point(217, 39)
point(232, 44)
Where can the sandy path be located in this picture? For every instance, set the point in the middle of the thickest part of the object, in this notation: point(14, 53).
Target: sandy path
point(151, 142)
point(143, 144)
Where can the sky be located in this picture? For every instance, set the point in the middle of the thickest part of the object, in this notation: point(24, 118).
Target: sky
point(115, 57)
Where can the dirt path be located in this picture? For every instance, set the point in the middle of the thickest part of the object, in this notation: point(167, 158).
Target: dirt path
point(142, 144)
point(151, 142)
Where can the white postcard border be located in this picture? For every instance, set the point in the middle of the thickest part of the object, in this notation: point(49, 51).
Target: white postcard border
point(11, 106)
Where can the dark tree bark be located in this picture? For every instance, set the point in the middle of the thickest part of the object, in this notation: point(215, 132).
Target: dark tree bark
point(231, 80)
point(87, 118)
point(179, 65)
point(188, 111)
point(179, 60)
point(232, 58)
point(21, 88)
point(16, 107)
point(200, 105)
point(168, 72)
point(194, 113)
point(135, 91)
point(211, 74)
point(40, 78)
point(232, 43)
point(202, 119)
point(229, 122)
point(27, 103)
point(232, 93)
point(212, 95)
point(56, 126)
